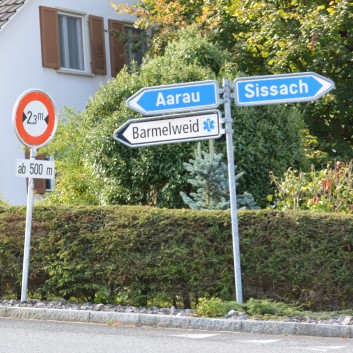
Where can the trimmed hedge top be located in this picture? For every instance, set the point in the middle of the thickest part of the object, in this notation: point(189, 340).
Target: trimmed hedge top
point(135, 254)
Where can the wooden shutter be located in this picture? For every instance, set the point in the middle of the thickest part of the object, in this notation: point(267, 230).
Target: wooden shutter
point(96, 27)
point(40, 185)
point(117, 54)
point(49, 32)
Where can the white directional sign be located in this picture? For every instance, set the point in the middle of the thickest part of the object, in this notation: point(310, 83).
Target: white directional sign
point(278, 89)
point(175, 98)
point(32, 168)
point(170, 129)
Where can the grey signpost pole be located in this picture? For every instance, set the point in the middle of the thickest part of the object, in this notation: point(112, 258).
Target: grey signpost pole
point(33, 133)
point(232, 190)
point(27, 245)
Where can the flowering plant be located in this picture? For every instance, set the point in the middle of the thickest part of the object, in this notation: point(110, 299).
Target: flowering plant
point(329, 189)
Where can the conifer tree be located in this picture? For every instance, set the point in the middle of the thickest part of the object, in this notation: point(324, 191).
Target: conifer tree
point(209, 178)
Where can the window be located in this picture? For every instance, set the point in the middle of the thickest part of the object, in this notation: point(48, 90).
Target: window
point(136, 45)
point(68, 43)
point(71, 42)
point(130, 45)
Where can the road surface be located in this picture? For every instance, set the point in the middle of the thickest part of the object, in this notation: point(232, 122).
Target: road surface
point(27, 336)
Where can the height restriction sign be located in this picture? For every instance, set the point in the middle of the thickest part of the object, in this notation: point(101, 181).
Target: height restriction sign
point(34, 118)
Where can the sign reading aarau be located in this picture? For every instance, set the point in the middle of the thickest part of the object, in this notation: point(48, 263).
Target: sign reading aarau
point(175, 98)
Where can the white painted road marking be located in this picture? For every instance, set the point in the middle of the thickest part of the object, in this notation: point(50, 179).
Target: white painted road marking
point(258, 341)
point(319, 348)
point(196, 335)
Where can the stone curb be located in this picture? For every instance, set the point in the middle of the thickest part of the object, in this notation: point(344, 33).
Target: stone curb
point(180, 322)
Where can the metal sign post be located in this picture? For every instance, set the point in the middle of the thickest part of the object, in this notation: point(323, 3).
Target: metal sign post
point(34, 119)
point(27, 245)
point(232, 191)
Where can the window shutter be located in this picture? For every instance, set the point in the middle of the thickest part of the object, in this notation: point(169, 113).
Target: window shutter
point(96, 26)
point(49, 37)
point(40, 185)
point(117, 54)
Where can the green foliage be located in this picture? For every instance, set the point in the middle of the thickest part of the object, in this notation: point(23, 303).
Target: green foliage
point(297, 36)
point(265, 139)
point(276, 37)
point(209, 177)
point(259, 308)
point(137, 254)
point(326, 190)
point(3, 203)
point(93, 168)
point(266, 307)
point(213, 307)
point(193, 48)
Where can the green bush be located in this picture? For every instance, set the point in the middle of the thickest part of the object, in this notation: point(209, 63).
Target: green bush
point(262, 308)
point(210, 307)
point(95, 169)
point(266, 307)
point(266, 139)
point(136, 255)
point(3, 203)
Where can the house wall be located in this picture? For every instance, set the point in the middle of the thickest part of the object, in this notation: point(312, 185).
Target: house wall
point(21, 69)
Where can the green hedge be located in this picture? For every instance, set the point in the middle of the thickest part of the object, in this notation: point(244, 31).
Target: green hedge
point(139, 253)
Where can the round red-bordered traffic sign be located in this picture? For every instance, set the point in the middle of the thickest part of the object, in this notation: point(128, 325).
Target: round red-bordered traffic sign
point(34, 118)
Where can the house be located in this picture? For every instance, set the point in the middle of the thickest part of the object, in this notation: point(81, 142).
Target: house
point(62, 47)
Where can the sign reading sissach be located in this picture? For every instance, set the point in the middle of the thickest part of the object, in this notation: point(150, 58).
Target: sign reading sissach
point(279, 89)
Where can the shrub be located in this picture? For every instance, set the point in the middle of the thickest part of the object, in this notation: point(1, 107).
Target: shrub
point(137, 254)
point(265, 139)
point(266, 307)
point(212, 307)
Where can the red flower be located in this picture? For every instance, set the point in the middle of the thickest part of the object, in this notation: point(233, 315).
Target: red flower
point(326, 184)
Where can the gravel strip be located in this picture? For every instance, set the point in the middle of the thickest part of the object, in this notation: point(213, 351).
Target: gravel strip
point(233, 315)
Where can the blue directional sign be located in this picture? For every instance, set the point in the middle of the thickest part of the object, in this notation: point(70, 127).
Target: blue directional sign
point(278, 89)
point(175, 98)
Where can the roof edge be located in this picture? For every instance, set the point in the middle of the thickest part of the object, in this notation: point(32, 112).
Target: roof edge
point(14, 15)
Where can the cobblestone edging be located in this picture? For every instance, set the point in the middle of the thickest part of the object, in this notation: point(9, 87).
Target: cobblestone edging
point(170, 318)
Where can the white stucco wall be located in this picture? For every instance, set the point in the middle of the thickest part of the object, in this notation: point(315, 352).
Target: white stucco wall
point(21, 69)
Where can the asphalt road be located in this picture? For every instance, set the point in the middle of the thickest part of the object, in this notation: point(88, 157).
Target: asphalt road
point(27, 336)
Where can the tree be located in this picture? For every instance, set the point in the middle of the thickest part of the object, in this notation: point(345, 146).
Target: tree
point(209, 175)
point(95, 169)
point(296, 36)
point(271, 37)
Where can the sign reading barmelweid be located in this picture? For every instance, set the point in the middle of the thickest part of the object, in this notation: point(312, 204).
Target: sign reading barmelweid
point(170, 129)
